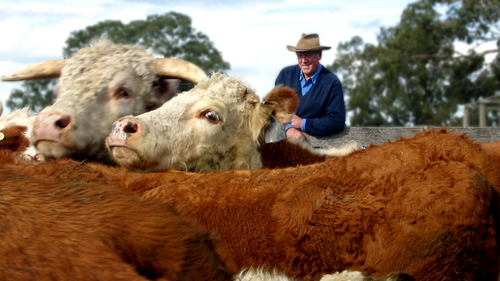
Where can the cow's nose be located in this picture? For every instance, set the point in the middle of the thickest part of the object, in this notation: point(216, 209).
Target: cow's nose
point(122, 130)
point(50, 125)
point(53, 120)
point(130, 127)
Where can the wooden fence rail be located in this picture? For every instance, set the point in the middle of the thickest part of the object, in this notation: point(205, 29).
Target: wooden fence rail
point(379, 135)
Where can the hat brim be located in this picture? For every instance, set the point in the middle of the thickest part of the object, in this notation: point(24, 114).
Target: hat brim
point(313, 49)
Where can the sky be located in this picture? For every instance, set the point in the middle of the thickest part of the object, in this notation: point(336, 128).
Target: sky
point(251, 35)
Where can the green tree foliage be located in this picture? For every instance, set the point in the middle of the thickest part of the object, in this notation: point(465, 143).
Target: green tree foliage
point(414, 75)
point(36, 95)
point(168, 35)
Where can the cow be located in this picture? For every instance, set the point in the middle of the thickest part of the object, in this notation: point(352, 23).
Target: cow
point(493, 150)
point(36, 253)
point(425, 205)
point(21, 120)
point(219, 125)
point(97, 85)
point(55, 230)
point(13, 138)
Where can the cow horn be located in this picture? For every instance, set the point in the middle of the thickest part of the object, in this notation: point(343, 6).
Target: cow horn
point(44, 70)
point(180, 69)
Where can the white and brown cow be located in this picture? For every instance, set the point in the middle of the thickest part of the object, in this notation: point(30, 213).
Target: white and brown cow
point(98, 85)
point(219, 125)
point(11, 124)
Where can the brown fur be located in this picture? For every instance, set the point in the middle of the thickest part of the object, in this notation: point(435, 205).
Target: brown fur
point(14, 139)
point(285, 154)
point(421, 205)
point(493, 150)
point(54, 230)
point(283, 101)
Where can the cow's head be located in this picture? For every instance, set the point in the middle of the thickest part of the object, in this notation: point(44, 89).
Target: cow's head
point(216, 126)
point(98, 85)
point(25, 118)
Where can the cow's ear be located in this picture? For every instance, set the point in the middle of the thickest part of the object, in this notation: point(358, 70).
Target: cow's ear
point(250, 97)
point(12, 138)
point(283, 101)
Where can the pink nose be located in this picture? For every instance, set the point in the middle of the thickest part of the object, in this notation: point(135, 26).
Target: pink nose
point(50, 125)
point(122, 130)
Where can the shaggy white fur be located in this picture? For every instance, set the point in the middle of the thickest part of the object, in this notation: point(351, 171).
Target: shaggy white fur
point(345, 276)
point(346, 149)
point(254, 274)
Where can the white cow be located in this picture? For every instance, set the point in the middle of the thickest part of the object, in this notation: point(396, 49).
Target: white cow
point(219, 125)
point(98, 85)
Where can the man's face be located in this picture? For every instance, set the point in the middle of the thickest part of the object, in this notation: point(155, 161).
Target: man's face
point(308, 62)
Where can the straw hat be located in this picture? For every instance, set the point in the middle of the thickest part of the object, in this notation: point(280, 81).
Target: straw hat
point(308, 43)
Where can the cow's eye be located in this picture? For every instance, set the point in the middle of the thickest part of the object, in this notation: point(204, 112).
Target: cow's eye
point(212, 116)
point(123, 93)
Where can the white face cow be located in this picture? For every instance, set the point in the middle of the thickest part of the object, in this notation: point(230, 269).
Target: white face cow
point(98, 85)
point(216, 126)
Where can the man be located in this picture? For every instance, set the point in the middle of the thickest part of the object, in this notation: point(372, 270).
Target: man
point(321, 108)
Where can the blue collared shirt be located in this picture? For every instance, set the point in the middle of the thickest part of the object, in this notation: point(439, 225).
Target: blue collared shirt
point(307, 84)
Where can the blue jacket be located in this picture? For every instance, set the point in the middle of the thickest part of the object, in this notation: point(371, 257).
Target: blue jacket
point(323, 106)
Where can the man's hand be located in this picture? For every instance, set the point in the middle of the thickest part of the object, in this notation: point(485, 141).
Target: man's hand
point(296, 122)
point(294, 134)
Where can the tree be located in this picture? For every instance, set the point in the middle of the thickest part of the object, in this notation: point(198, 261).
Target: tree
point(414, 75)
point(167, 35)
point(36, 95)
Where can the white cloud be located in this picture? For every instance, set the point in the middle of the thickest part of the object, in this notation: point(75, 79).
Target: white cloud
point(251, 35)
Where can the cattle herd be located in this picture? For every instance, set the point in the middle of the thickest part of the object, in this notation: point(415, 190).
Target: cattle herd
point(121, 178)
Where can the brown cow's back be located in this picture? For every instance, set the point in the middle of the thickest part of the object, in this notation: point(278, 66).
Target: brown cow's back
point(285, 154)
point(419, 205)
point(53, 230)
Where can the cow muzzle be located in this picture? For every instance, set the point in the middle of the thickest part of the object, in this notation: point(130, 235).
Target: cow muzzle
point(51, 126)
point(123, 130)
point(124, 139)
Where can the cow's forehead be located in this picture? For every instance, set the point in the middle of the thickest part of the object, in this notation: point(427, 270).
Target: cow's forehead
point(230, 92)
point(171, 111)
point(87, 73)
point(219, 90)
point(223, 86)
